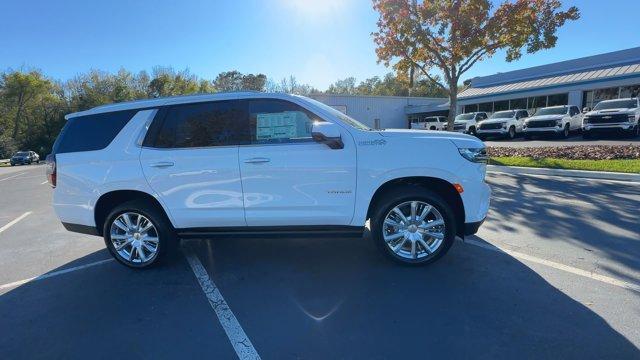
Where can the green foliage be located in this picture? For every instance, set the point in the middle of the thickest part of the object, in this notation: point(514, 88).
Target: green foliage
point(389, 85)
point(615, 165)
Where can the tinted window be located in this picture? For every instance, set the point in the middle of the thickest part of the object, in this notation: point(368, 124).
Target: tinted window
point(616, 104)
point(91, 132)
point(503, 114)
point(217, 123)
point(278, 121)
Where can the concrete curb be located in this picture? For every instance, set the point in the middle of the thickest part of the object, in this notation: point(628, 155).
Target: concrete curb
point(567, 173)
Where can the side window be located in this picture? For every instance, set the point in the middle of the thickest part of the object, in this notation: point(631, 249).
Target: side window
point(523, 114)
point(576, 111)
point(273, 121)
point(219, 123)
point(91, 132)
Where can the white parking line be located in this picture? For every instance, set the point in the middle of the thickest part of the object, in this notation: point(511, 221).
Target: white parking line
point(558, 266)
point(13, 222)
point(11, 177)
point(52, 274)
point(239, 340)
point(44, 182)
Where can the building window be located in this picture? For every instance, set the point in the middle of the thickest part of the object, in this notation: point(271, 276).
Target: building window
point(536, 103)
point(605, 94)
point(629, 91)
point(558, 99)
point(470, 108)
point(486, 107)
point(501, 105)
point(518, 104)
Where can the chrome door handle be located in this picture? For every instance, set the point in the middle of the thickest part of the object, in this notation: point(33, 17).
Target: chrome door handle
point(257, 160)
point(162, 164)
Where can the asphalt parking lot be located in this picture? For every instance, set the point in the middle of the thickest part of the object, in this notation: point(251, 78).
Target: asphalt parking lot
point(553, 273)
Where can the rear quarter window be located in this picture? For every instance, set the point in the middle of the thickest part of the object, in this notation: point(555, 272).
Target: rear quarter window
point(91, 132)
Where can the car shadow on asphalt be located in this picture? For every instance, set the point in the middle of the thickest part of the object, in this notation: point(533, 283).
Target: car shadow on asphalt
point(607, 221)
point(305, 298)
point(339, 298)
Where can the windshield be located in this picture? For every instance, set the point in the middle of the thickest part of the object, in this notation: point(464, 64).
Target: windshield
point(617, 104)
point(22, 153)
point(464, 117)
point(502, 114)
point(348, 120)
point(552, 111)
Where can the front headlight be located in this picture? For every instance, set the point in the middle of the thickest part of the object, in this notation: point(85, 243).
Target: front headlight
point(632, 118)
point(476, 155)
point(559, 122)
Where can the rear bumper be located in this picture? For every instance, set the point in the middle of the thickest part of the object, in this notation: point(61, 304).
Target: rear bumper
point(472, 227)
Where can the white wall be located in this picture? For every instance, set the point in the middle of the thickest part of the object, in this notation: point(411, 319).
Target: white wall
point(389, 109)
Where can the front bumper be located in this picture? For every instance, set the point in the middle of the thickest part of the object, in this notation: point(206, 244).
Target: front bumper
point(554, 129)
point(493, 132)
point(627, 126)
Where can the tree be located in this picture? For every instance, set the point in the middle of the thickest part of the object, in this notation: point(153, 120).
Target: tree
point(236, 81)
point(453, 35)
point(290, 85)
point(20, 89)
point(343, 87)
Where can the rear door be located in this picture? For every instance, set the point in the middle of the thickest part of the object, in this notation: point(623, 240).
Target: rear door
point(287, 177)
point(190, 159)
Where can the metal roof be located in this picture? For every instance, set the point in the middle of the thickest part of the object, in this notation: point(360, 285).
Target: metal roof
point(567, 79)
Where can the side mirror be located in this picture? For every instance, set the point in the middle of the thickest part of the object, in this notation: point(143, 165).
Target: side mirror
point(328, 134)
point(586, 109)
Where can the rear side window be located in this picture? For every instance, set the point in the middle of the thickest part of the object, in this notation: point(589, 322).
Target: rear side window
point(91, 132)
point(274, 121)
point(219, 123)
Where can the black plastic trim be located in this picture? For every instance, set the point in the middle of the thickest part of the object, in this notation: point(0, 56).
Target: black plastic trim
point(472, 228)
point(272, 231)
point(82, 229)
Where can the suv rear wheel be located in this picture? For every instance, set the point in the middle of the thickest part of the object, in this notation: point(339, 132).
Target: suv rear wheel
point(413, 226)
point(137, 234)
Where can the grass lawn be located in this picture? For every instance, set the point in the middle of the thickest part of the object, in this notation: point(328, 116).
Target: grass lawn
point(625, 166)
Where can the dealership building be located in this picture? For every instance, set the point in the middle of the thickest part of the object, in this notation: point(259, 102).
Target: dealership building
point(582, 82)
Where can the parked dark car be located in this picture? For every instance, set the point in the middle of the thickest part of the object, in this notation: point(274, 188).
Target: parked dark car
point(25, 157)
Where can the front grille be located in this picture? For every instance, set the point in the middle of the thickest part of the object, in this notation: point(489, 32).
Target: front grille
point(541, 124)
point(458, 127)
point(490, 126)
point(606, 119)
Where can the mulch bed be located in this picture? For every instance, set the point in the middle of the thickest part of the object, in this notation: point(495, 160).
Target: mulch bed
point(580, 152)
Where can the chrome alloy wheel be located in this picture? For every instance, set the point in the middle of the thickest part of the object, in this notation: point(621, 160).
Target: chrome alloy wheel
point(413, 230)
point(134, 238)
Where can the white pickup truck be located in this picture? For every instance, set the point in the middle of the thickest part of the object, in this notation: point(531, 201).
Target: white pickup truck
point(144, 174)
point(430, 123)
point(619, 116)
point(506, 124)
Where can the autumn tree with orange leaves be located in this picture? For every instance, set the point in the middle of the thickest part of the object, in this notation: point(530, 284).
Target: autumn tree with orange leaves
point(448, 37)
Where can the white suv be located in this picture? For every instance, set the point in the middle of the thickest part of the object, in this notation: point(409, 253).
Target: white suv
point(507, 124)
point(146, 173)
point(621, 115)
point(557, 120)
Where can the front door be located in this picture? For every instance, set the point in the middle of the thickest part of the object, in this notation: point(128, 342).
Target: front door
point(289, 179)
point(192, 163)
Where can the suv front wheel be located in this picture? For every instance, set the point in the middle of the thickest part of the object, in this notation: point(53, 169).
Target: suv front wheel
point(137, 234)
point(413, 226)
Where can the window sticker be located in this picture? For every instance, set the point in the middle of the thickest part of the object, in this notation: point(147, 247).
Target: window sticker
point(282, 125)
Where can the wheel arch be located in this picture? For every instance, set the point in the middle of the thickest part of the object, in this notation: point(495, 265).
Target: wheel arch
point(440, 186)
point(109, 200)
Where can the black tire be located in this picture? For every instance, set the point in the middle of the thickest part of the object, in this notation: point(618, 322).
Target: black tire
point(512, 133)
point(404, 194)
point(565, 131)
point(167, 240)
point(635, 132)
point(472, 131)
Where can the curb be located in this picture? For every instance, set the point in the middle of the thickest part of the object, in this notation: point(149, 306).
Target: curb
point(566, 173)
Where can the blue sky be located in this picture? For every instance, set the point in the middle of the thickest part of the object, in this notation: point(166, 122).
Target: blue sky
point(318, 41)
